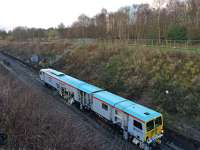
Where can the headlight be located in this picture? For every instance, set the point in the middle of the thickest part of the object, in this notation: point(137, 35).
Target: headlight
point(162, 131)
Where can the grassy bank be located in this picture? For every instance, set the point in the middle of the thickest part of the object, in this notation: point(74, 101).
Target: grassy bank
point(167, 80)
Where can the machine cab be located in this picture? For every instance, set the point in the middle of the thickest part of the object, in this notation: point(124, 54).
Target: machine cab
point(154, 130)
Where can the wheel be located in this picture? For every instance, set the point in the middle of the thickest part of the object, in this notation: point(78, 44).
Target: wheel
point(125, 135)
point(147, 147)
point(81, 107)
point(46, 84)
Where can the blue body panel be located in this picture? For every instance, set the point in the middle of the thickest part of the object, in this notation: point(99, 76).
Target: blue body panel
point(88, 88)
point(138, 110)
point(124, 105)
point(81, 85)
point(57, 73)
point(109, 98)
point(72, 81)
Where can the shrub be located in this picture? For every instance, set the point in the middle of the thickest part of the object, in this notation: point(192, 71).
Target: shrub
point(177, 32)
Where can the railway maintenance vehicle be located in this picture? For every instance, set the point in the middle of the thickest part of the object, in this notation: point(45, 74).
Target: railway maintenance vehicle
point(142, 125)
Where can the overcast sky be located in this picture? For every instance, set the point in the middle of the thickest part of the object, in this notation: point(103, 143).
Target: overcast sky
point(49, 13)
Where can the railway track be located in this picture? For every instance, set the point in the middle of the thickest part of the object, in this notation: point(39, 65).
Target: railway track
point(92, 128)
point(100, 135)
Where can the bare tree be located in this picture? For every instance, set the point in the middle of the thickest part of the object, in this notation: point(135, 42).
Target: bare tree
point(84, 22)
point(101, 23)
point(61, 30)
point(158, 5)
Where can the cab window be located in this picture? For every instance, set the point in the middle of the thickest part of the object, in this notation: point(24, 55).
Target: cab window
point(137, 124)
point(158, 121)
point(150, 125)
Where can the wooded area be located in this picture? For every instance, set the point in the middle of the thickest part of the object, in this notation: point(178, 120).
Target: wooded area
point(167, 19)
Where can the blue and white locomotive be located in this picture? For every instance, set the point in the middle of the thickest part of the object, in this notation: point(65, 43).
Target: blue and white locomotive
point(142, 125)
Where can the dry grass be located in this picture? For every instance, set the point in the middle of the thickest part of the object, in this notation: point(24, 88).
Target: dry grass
point(29, 122)
point(24, 50)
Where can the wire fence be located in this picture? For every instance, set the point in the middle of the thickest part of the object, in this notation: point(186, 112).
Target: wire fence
point(176, 44)
point(187, 44)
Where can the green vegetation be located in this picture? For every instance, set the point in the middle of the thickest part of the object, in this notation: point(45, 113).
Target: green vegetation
point(164, 79)
point(177, 32)
point(169, 81)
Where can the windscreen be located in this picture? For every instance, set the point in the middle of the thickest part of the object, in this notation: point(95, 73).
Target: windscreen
point(150, 125)
point(158, 121)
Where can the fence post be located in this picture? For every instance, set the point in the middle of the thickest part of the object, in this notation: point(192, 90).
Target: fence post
point(174, 44)
point(185, 44)
point(166, 43)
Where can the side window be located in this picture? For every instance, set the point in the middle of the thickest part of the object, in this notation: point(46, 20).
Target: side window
point(105, 107)
point(72, 95)
point(137, 124)
point(116, 112)
point(115, 118)
point(66, 92)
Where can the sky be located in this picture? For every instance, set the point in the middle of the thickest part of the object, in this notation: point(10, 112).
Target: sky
point(50, 13)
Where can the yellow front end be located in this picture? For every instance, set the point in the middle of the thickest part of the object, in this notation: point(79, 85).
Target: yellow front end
point(154, 130)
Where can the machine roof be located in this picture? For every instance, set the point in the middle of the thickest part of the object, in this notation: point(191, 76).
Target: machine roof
point(137, 110)
point(143, 113)
point(72, 81)
point(83, 86)
point(57, 73)
point(134, 109)
point(109, 98)
point(89, 88)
